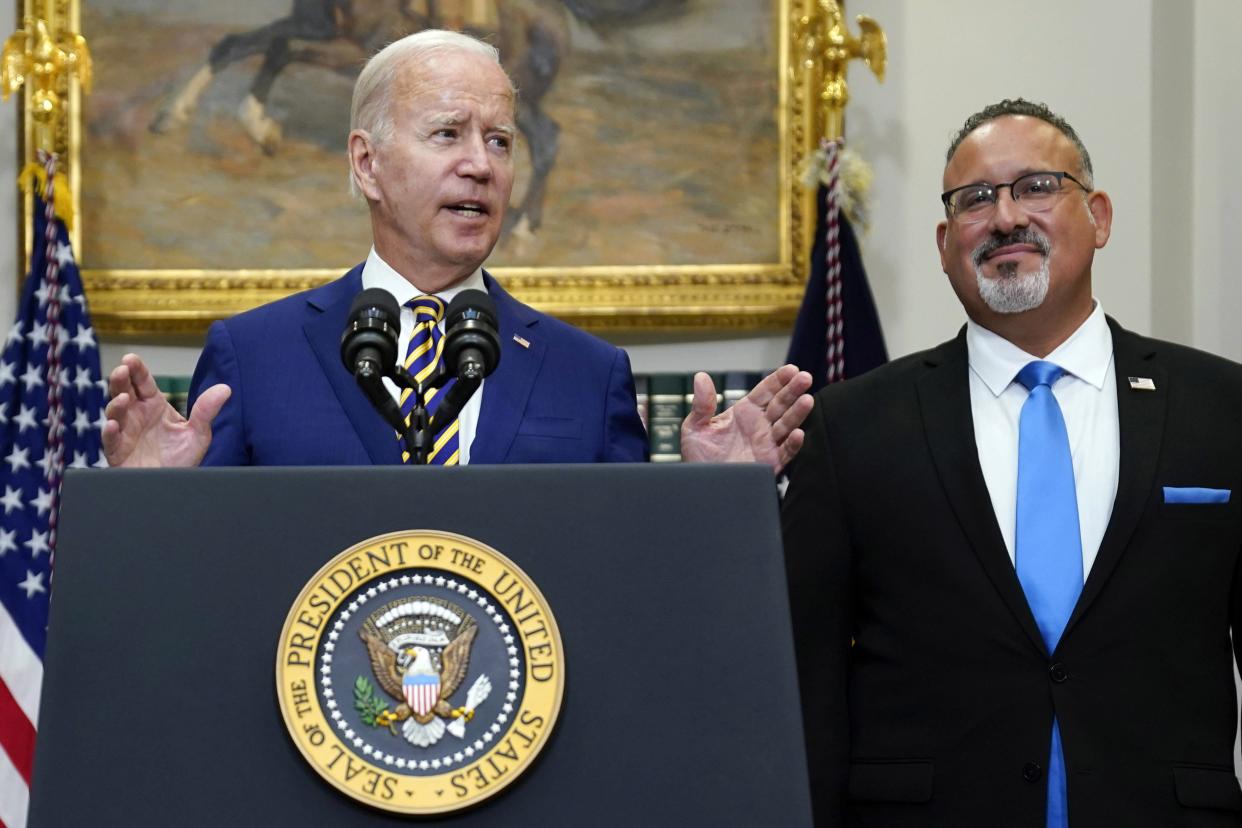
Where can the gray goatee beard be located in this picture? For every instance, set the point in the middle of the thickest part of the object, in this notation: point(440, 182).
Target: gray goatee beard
point(1011, 291)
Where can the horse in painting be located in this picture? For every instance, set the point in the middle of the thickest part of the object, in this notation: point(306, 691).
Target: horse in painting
point(532, 36)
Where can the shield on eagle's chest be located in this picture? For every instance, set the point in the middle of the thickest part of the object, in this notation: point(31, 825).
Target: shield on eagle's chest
point(421, 692)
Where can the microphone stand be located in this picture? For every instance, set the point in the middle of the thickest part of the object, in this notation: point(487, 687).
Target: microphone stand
point(455, 399)
point(418, 434)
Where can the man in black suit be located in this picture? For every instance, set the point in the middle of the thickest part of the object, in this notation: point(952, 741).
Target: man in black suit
point(938, 689)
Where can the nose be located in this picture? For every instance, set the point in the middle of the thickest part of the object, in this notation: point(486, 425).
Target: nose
point(1009, 214)
point(475, 162)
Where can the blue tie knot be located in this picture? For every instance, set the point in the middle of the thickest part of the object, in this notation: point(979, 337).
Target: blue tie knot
point(426, 307)
point(1038, 373)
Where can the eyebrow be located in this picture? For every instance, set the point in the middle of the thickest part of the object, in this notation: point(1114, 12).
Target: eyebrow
point(1021, 174)
point(453, 118)
point(457, 118)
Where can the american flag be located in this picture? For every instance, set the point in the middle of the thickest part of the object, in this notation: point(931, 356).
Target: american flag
point(51, 412)
point(837, 332)
point(421, 692)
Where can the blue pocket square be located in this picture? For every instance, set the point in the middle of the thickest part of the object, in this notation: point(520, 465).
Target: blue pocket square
point(1195, 494)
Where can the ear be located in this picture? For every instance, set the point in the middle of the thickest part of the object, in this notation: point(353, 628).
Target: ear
point(942, 230)
point(1101, 207)
point(363, 164)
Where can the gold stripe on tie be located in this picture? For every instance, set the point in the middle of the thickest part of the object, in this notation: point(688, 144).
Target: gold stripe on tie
point(416, 353)
point(422, 361)
point(433, 365)
point(444, 438)
point(454, 458)
point(423, 310)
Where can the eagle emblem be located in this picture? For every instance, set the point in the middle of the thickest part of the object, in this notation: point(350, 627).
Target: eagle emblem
point(419, 649)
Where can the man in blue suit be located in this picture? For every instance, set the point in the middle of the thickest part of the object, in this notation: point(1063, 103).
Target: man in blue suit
point(431, 151)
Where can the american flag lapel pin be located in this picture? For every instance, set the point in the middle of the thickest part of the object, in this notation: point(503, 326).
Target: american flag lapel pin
point(519, 340)
point(1141, 384)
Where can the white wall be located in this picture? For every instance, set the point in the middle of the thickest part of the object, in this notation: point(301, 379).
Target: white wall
point(1211, 273)
point(1150, 84)
point(949, 60)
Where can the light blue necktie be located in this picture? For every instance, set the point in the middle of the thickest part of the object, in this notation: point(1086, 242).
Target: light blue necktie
point(423, 356)
point(1047, 545)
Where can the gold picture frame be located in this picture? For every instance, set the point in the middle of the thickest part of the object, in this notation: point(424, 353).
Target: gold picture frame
point(646, 297)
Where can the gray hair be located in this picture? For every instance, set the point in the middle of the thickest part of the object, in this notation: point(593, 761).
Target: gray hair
point(371, 109)
point(1020, 106)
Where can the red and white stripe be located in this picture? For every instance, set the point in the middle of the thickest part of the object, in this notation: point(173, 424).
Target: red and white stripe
point(21, 670)
point(422, 697)
point(21, 675)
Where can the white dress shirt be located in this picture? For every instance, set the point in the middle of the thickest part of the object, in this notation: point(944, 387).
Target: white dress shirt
point(1087, 394)
point(378, 273)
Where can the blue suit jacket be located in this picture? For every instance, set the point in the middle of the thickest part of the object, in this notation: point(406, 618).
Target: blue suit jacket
point(567, 398)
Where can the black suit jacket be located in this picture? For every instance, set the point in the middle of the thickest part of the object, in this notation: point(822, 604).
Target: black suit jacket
point(940, 711)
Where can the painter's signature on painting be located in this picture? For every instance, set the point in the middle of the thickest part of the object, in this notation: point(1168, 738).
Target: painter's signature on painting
point(725, 228)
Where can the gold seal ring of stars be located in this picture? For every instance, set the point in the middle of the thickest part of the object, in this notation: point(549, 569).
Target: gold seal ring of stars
point(420, 672)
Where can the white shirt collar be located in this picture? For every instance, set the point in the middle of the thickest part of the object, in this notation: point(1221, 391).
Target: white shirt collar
point(1087, 353)
point(378, 273)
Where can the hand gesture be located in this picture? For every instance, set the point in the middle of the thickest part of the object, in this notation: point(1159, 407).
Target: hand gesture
point(144, 431)
point(762, 427)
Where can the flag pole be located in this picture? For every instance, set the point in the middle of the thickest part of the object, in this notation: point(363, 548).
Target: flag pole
point(819, 340)
point(52, 391)
point(830, 47)
point(46, 59)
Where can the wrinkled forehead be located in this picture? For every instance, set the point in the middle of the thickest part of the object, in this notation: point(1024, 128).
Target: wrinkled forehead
point(448, 78)
point(1006, 147)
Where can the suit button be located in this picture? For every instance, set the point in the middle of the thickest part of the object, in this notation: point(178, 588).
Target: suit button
point(1058, 672)
point(1031, 772)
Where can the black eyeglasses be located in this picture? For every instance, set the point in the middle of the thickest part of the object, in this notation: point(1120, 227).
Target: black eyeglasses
point(1036, 192)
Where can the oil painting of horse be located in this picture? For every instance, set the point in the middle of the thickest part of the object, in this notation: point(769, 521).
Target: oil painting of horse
point(215, 138)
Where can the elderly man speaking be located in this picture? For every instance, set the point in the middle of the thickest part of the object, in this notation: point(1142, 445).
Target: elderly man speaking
point(431, 149)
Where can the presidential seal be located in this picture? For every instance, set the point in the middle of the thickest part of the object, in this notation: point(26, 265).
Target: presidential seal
point(420, 672)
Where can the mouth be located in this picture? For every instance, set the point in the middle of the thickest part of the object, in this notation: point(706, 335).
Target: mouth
point(1011, 251)
point(1011, 248)
point(468, 209)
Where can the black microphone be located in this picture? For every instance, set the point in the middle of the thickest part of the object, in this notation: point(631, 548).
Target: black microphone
point(471, 350)
point(369, 348)
point(471, 342)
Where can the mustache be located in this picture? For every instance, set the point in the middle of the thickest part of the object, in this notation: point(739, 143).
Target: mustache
point(1024, 235)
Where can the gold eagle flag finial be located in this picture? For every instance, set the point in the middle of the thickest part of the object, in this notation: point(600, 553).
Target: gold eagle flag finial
point(45, 61)
point(828, 48)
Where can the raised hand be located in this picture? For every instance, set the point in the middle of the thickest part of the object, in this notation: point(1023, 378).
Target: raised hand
point(144, 431)
point(762, 427)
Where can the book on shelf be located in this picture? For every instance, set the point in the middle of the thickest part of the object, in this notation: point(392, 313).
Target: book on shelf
point(176, 389)
point(667, 408)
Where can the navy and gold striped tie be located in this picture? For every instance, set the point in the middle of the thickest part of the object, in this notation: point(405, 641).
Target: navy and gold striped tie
point(421, 359)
